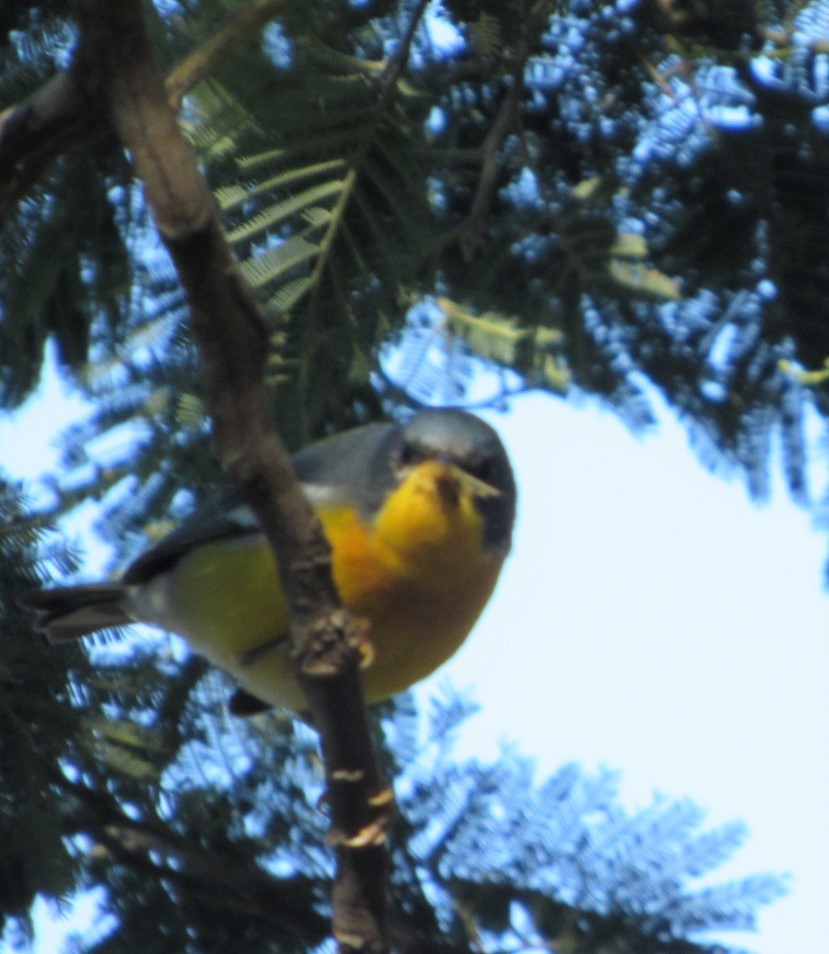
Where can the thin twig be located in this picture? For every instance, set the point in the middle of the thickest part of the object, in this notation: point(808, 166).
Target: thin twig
point(236, 28)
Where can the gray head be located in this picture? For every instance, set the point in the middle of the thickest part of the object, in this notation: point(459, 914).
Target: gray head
point(459, 438)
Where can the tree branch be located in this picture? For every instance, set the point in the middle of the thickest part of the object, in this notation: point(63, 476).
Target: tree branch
point(472, 228)
point(115, 64)
point(35, 133)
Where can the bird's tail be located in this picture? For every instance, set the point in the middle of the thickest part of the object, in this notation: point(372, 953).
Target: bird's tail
point(68, 612)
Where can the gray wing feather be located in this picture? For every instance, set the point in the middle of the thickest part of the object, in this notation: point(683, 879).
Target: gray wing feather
point(348, 463)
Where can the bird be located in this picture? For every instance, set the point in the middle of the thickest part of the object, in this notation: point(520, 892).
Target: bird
point(419, 515)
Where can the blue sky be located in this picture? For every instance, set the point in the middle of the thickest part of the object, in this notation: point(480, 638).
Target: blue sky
point(651, 619)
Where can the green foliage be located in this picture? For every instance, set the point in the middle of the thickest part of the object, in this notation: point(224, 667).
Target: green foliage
point(63, 253)
point(326, 208)
point(36, 725)
point(636, 190)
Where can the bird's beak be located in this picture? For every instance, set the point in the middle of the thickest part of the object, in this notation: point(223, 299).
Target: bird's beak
point(475, 486)
point(450, 479)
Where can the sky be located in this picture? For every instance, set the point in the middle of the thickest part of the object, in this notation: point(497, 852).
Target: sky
point(650, 619)
point(653, 620)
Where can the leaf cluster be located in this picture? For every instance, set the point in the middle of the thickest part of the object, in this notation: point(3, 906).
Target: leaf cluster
point(610, 198)
point(37, 724)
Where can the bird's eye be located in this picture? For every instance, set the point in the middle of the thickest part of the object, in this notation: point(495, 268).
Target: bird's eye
point(408, 455)
point(485, 471)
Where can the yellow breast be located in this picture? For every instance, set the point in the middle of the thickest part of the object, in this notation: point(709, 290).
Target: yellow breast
point(418, 575)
